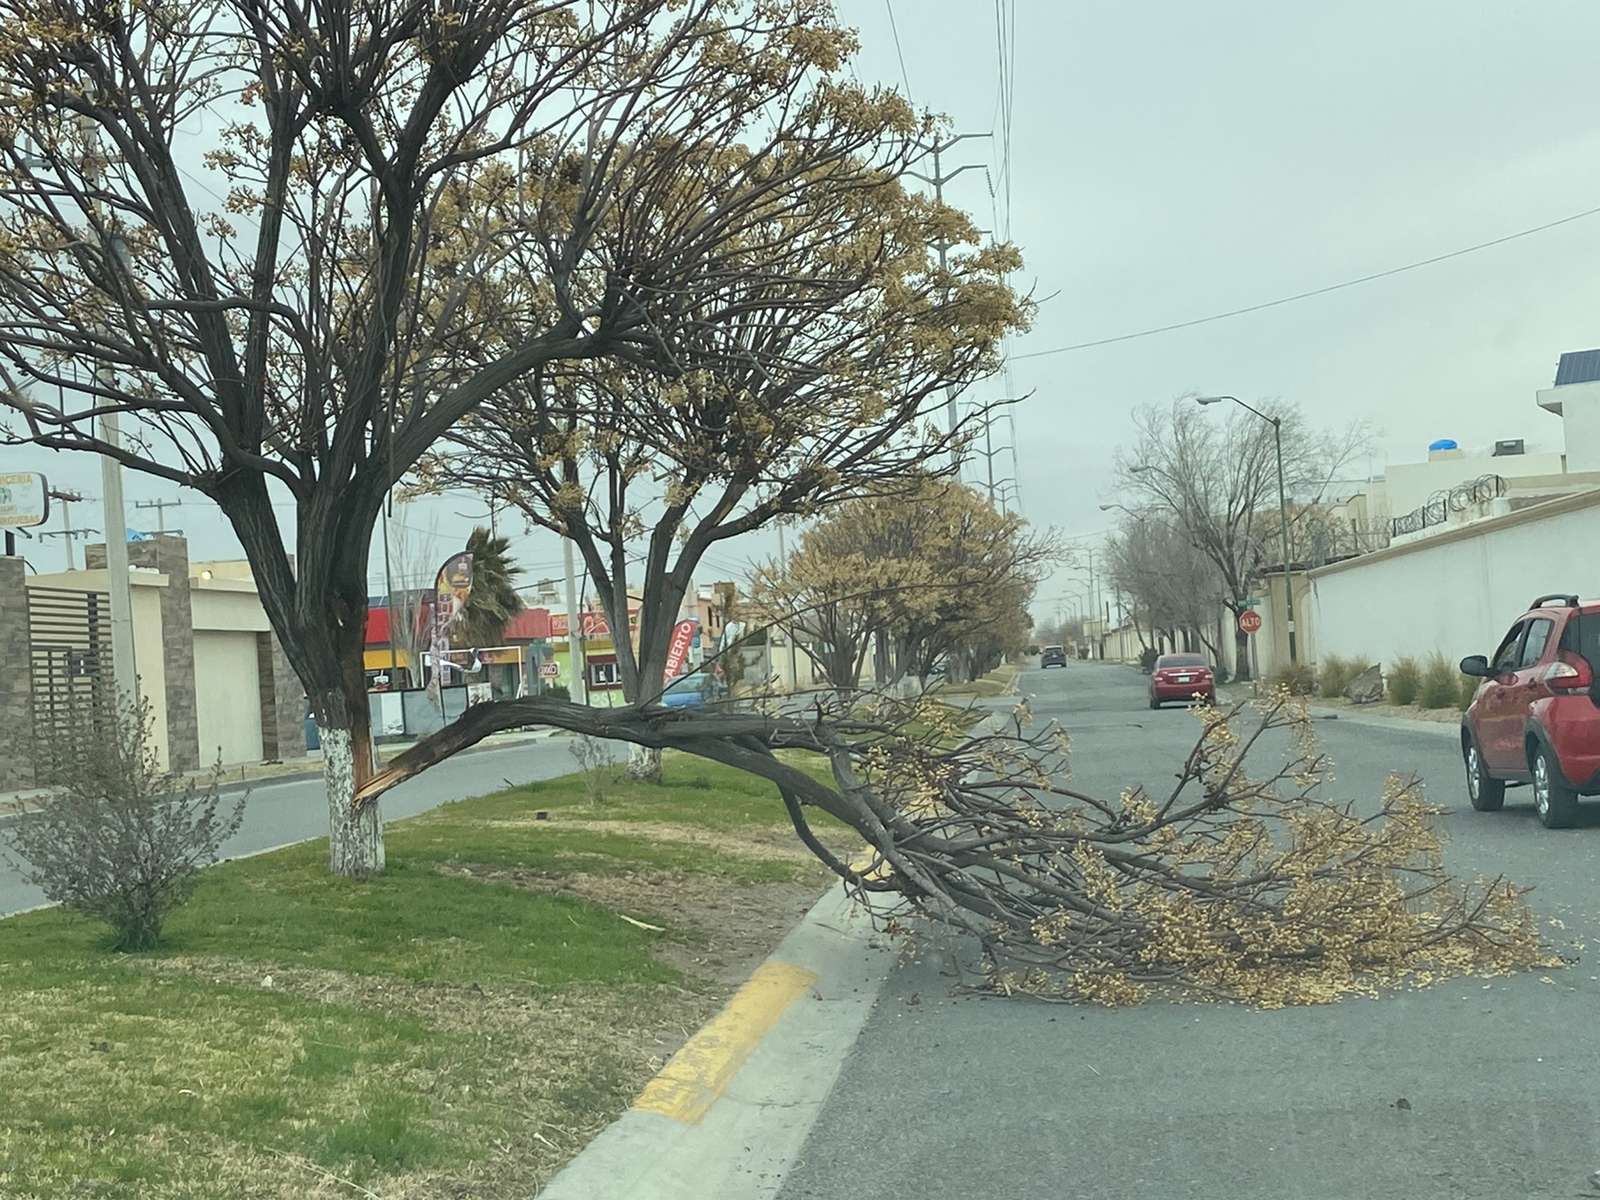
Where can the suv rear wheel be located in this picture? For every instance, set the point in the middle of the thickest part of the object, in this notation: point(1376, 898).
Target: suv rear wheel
point(1487, 795)
point(1556, 802)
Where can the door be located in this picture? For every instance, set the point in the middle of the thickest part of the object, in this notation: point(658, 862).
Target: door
point(1528, 684)
point(1499, 720)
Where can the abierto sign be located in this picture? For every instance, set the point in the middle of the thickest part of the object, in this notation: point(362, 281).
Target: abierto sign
point(24, 500)
point(678, 649)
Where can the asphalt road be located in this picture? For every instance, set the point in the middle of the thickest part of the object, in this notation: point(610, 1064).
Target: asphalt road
point(960, 1097)
point(279, 813)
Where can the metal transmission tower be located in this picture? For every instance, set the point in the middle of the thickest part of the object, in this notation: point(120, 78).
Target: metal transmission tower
point(937, 180)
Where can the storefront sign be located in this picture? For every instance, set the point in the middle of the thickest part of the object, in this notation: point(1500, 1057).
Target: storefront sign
point(24, 500)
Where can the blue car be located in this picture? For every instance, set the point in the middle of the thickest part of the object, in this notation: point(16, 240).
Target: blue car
point(691, 691)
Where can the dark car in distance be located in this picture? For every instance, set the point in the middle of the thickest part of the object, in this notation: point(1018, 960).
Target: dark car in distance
point(1535, 718)
point(1053, 656)
point(1182, 677)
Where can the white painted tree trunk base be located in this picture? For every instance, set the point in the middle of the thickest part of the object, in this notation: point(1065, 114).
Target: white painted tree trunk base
point(355, 840)
point(644, 764)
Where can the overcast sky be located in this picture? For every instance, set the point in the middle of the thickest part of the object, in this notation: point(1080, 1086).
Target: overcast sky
point(1174, 160)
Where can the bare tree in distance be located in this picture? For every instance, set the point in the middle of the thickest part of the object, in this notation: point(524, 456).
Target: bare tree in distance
point(1216, 473)
point(414, 563)
point(1166, 581)
point(402, 214)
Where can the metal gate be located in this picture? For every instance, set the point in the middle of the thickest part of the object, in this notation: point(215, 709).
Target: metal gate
point(69, 653)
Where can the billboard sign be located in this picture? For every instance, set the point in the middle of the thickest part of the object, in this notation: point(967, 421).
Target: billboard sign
point(24, 499)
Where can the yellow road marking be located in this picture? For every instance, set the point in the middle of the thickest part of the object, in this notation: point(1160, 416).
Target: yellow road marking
point(697, 1074)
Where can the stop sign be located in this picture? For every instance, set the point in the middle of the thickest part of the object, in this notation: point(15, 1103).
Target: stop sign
point(1249, 621)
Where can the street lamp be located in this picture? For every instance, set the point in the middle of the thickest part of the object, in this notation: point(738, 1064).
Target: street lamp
point(1137, 516)
point(1283, 511)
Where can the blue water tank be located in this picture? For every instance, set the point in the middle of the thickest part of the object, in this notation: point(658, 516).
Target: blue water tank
point(1444, 444)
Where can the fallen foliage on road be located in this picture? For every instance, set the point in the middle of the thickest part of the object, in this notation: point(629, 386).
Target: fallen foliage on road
point(1237, 884)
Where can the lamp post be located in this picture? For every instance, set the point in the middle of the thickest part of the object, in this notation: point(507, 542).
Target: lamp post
point(1283, 512)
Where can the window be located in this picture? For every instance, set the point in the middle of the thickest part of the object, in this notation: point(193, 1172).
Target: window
point(1539, 631)
point(1582, 635)
point(604, 674)
point(1183, 660)
point(1505, 658)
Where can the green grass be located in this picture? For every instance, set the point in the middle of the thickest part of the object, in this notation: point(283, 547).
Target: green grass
point(416, 1024)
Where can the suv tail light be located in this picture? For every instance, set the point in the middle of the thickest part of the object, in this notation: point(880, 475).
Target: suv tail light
point(1569, 673)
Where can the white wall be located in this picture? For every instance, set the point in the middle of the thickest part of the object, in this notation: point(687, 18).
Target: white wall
point(1408, 485)
point(221, 605)
point(227, 695)
point(1458, 591)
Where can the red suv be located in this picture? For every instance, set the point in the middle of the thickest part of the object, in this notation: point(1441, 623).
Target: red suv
point(1536, 716)
point(1181, 677)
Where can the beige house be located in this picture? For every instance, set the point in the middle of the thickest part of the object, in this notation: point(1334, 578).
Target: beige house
point(208, 664)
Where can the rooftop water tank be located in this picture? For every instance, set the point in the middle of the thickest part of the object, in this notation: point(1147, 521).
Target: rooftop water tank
point(1443, 444)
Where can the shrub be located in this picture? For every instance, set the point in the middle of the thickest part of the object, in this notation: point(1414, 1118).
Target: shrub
point(557, 691)
point(1335, 675)
point(1440, 688)
point(1299, 679)
point(594, 761)
point(116, 838)
point(1404, 681)
point(1147, 659)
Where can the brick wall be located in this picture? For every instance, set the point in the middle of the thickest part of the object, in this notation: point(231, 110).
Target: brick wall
point(283, 702)
point(16, 701)
point(169, 554)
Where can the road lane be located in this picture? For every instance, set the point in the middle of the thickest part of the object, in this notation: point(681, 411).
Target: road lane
point(277, 813)
point(960, 1096)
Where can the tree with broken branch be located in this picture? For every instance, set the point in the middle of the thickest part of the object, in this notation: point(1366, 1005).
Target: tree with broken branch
point(815, 370)
point(276, 241)
point(1251, 886)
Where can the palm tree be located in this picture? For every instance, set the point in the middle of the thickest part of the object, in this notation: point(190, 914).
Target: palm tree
point(493, 600)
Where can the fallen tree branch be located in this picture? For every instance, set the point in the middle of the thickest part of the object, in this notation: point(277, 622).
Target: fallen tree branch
point(1260, 889)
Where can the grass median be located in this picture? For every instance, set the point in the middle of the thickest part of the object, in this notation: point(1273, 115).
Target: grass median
point(458, 1027)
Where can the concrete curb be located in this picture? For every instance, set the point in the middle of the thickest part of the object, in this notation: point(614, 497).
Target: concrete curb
point(747, 1089)
point(1446, 729)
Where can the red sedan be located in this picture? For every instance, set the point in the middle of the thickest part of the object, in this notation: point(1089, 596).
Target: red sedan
point(1182, 677)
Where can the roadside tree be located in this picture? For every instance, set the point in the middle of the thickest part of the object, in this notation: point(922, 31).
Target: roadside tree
point(290, 248)
point(1216, 474)
point(816, 371)
point(1167, 583)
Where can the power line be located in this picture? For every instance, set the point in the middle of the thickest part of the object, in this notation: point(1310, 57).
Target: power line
point(1321, 291)
point(895, 29)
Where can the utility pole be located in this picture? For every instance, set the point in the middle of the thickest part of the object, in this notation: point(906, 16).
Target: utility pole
point(794, 669)
point(124, 670)
point(580, 670)
point(937, 180)
point(161, 507)
point(388, 599)
point(67, 532)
